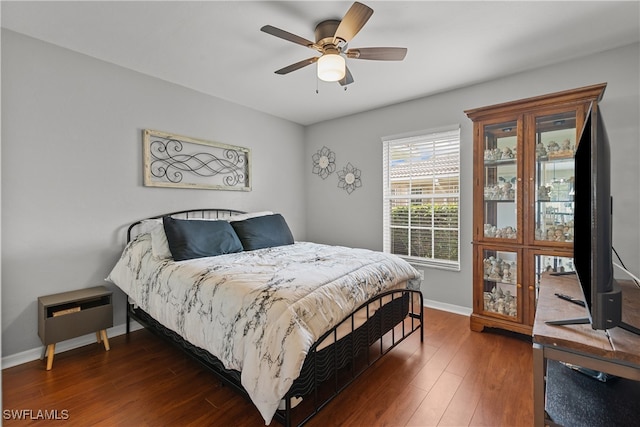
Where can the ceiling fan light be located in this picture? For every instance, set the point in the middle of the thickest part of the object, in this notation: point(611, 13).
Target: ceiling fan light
point(331, 67)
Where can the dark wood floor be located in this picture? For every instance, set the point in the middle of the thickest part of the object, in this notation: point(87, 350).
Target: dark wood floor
point(455, 378)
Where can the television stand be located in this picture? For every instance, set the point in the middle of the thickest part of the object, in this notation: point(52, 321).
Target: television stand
point(614, 351)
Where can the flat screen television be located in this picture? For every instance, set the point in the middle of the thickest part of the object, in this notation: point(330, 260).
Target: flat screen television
point(593, 210)
point(593, 232)
point(593, 228)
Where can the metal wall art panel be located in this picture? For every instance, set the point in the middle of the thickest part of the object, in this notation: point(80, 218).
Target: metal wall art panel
point(183, 162)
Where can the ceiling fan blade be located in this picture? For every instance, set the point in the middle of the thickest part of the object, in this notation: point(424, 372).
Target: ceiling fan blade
point(378, 53)
point(288, 36)
point(353, 21)
point(347, 79)
point(297, 65)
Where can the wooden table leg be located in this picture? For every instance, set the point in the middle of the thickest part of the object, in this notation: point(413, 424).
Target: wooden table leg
point(539, 385)
point(105, 339)
point(51, 349)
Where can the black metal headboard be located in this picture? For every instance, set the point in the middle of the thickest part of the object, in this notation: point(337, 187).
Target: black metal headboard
point(205, 213)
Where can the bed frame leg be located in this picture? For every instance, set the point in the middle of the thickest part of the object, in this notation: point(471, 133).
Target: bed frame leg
point(128, 319)
point(287, 419)
point(421, 298)
point(422, 326)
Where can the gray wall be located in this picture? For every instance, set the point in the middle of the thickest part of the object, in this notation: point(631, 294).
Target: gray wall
point(335, 217)
point(72, 170)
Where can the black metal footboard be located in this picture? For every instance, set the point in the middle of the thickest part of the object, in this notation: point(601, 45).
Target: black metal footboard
point(390, 318)
point(328, 369)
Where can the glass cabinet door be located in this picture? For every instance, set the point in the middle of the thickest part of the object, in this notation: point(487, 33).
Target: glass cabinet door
point(500, 181)
point(554, 176)
point(551, 264)
point(501, 290)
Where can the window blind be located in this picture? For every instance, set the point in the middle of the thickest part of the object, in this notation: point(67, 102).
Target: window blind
point(421, 193)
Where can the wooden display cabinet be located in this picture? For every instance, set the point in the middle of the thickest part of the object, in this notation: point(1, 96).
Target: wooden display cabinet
point(523, 201)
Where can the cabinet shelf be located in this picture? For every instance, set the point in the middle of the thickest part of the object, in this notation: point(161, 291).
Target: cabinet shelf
point(553, 159)
point(554, 201)
point(494, 163)
point(499, 281)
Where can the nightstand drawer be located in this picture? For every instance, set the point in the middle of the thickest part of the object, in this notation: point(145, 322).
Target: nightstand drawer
point(75, 324)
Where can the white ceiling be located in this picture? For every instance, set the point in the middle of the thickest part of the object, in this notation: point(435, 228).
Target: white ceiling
point(216, 47)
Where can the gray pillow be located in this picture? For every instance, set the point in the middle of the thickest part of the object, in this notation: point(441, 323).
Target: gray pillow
point(263, 232)
point(197, 239)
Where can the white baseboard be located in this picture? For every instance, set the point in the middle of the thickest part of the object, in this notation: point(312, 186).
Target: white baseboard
point(457, 309)
point(37, 353)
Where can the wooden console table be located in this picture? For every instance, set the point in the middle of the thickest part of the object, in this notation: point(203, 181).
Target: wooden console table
point(614, 351)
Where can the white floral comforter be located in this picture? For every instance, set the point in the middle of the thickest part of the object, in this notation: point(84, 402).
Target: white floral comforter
point(259, 312)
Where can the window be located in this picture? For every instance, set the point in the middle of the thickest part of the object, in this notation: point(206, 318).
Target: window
point(421, 196)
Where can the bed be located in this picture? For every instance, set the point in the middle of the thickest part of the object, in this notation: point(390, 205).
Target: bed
point(287, 324)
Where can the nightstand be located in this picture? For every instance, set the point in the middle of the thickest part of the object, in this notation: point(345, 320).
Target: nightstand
point(72, 314)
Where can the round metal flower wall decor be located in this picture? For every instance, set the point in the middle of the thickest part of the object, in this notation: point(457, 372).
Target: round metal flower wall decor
point(324, 162)
point(349, 178)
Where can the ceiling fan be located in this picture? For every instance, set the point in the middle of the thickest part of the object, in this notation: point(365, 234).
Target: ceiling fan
point(332, 37)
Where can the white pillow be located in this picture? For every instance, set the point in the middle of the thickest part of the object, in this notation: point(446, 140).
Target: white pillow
point(159, 243)
point(147, 225)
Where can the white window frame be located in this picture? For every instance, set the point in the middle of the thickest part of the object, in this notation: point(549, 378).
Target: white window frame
point(425, 136)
